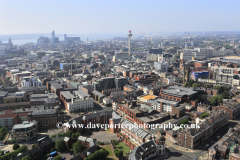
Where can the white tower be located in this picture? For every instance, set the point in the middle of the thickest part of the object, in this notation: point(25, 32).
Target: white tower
point(129, 43)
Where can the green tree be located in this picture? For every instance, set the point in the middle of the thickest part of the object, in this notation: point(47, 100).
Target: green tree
point(118, 153)
point(52, 149)
point(69, 133)
point(221, 90)
point(225, 94)
point(184, 121)
point(58, 157)
point(78, 147)
point(215, 100)
point(114, 142)
point(26, 158)
point(195, 85)
point(60, 145)
point(204, 114)
point(53, 136)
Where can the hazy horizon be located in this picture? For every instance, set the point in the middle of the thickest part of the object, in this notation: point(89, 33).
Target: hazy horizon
point(99, 17)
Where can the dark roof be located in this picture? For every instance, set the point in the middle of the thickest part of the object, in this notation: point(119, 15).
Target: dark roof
point(77, 157)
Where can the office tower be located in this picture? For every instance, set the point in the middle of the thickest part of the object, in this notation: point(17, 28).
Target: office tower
point(53, 36)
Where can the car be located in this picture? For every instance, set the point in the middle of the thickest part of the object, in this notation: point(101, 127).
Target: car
point(63, 157)
point(207, 145)
point(218, 136)
point(71, 153)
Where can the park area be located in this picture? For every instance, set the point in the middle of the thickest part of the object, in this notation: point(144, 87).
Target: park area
point(122, 146)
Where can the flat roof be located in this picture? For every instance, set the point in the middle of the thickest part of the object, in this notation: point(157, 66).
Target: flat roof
point(226, 57)
point(67, 94)
point(148, 97)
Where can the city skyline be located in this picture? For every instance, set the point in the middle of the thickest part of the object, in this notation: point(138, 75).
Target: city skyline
point(118, 17)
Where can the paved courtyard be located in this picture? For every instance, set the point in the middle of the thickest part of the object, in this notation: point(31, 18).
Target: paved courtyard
point(104, 136)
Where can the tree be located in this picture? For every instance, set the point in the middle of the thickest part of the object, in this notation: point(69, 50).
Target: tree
point(114, 142)
point(225, 94)
point(52, 149)
point(75, 135)
point(16, 146)
point(60, 145)
point(204, 114)
point(118, 153)
point(26, 158)
point(69, 133)
point(184, 121)
point(78, 147)
point(215, 100)
point(58, 157)
point(53, 136)
point(221, 90)
point(195, 85)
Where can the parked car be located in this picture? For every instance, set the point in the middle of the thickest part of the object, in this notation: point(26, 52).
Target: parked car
point(63, 157)
point(207, 145)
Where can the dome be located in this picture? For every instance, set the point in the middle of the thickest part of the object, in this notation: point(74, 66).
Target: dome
point(160, 138)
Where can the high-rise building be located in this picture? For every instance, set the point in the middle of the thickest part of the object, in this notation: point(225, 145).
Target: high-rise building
point(53, 36)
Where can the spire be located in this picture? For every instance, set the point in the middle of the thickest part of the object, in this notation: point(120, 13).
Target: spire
point(10, 43)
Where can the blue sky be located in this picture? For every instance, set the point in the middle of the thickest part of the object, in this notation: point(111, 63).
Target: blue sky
point(118, 16)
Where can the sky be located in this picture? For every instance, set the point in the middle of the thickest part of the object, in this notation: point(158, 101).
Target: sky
point(117, 16)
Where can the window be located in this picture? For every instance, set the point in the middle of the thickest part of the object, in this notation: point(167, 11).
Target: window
point(171, 98)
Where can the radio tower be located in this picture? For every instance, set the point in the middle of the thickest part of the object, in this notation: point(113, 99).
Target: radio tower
point(129, 43)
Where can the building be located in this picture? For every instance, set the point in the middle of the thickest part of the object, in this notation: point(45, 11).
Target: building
point(180, 94)
point(227, 146)
point(79, 100)
point(66, 39)
point(53, 36)
point(8, 118)
point(163, 105)
point(104, 83)
point(31, 81)
point(166, 58)
point(49, 99)
point(42, 40)
point(24, 132)
point(192, 138)
point(153, 148)
point(46, 118)
point(231, 106)
point(161, 66)
point(88, 120)
point(189, 54)
point(155, 51)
